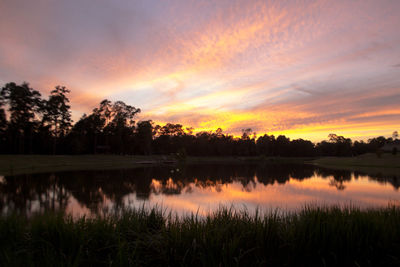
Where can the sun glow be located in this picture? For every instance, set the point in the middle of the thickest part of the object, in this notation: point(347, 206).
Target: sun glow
point(300, 69)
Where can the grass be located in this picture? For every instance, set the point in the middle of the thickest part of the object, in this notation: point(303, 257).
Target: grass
point(253, 159)
point(387, 164)
point(314, 236)
point(25, 164)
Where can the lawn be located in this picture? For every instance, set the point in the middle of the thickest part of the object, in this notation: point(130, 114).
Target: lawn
point(18, 164)
point(23, 164)
point(387, 164)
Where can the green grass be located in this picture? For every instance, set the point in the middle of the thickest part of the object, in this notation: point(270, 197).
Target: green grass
point(314, 236)
point(387, 164)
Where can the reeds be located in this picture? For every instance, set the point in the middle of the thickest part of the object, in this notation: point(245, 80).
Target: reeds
point(314, 236)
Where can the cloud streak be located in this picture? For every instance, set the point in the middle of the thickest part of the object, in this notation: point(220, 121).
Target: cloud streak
point(301, 68)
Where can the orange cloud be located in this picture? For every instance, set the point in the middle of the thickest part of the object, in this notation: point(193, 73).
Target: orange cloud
point(302, 68)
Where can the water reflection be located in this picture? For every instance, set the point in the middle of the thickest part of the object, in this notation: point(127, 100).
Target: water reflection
point(193, 188)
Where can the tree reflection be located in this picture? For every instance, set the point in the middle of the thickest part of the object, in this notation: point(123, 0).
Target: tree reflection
point(96, 189)
point(33, 193)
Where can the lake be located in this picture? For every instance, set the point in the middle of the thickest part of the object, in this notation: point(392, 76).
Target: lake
point(195, 188)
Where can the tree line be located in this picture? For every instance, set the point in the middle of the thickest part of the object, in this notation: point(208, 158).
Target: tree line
point(30, 124)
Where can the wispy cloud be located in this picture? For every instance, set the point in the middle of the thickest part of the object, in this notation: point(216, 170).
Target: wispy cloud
point(303, 68)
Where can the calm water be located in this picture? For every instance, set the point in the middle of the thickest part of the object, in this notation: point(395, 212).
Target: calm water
point(194, 188)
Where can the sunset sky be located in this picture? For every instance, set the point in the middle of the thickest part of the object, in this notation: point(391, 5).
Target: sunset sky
point(300, 68)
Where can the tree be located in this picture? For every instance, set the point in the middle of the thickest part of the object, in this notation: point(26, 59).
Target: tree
point(3, 120)
point(144, 132)
point(300, 147)
point(25, 106)
point(3, 124)
point(120, 129)
point(84, 135)
point(109, 128)
point(360, 147)
point(57, 114)
point(342, 145)
point(106, 110)
point(282, 144)
point(172, 129)
point(265, 145)
point(395, 135)
point(246, 134)
point(377, 142)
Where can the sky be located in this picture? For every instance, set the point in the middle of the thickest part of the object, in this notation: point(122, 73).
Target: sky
point(299, 68)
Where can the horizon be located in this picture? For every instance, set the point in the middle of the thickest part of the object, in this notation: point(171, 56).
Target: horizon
point(303, 69)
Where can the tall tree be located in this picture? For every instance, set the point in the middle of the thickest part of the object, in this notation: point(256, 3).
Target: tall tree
point(342, 145)
point(110, 127)
point(24, 106)
point(57, 114)
point(144, 133)
point(395, 135)
point(85, 133)
point(3, 124)
point(121, 127)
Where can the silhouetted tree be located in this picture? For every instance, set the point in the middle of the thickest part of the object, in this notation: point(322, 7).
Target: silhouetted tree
point(3, 124)
point(265, 145)
point(376, 143)
point(301, 148)
point(144, 135)
point(121, 128)
point(110, 127)
point(84, 134)
point(360, 147)
point(30, 122)
point(24, 107)
point(342, 145)
point(337, 146)
point(395, 135)
point(57, 114)
point(282, 145)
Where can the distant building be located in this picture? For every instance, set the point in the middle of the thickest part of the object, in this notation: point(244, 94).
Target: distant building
point(388, 147)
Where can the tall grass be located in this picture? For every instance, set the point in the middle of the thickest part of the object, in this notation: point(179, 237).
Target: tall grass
point(314, 236)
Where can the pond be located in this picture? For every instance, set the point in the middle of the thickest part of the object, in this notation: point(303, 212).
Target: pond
point(199, 188)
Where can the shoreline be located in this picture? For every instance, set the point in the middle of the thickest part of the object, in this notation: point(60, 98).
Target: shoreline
point(28, 164)
point(387, 165)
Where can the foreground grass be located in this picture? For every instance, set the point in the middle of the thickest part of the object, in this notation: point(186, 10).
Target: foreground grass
point(387, 164)
point(24, 164)
point(315, 236)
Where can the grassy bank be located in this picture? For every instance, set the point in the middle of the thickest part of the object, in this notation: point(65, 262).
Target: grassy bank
point(387, 164)
point(258, 159)
point(312, 237)
point(20, 164)
point(23, 164)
